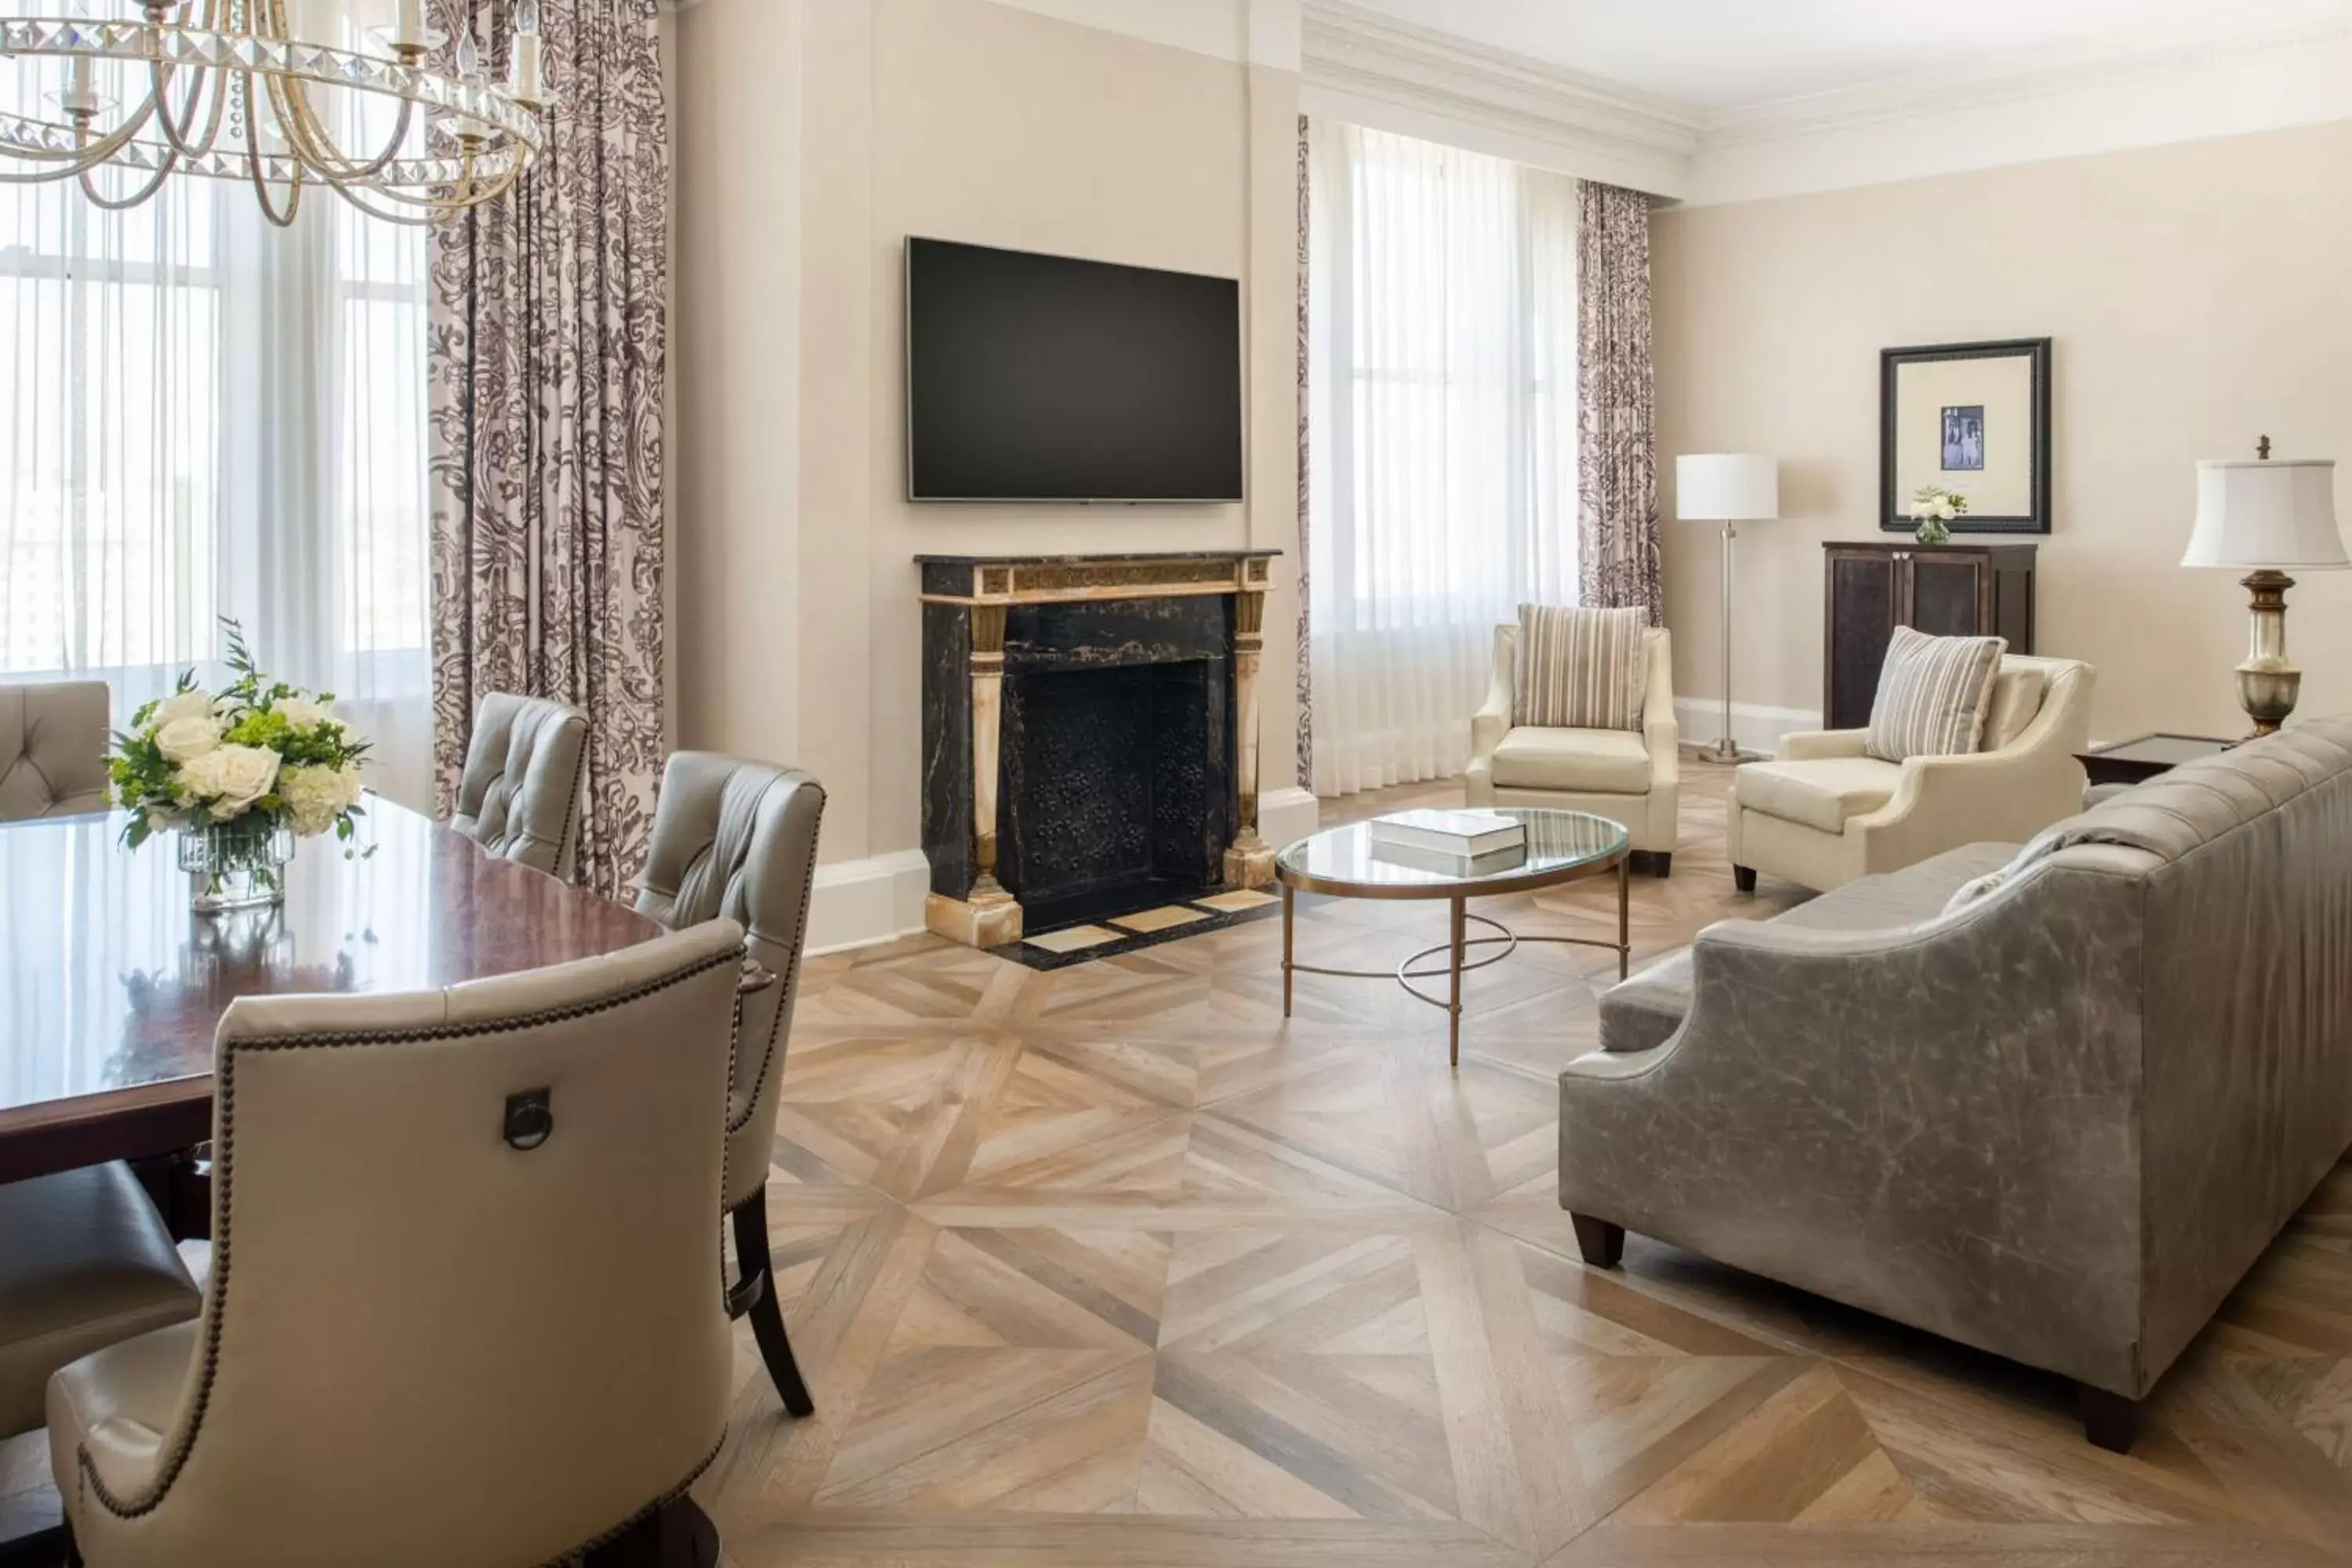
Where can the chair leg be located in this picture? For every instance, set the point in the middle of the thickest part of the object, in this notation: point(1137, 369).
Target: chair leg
point(677, 1535)
point(2109, 1420)
point(766, 1314)
point(1602, 1243)
point(1744, 878)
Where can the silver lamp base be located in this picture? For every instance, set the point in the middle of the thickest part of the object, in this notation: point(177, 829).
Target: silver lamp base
point(1726, 752)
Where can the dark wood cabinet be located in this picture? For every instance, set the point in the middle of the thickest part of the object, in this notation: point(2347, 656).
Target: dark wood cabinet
point(1945, 590)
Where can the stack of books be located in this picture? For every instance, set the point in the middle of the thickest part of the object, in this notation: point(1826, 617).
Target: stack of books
point(1451, 843)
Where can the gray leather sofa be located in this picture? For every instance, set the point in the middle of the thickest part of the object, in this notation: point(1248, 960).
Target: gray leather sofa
point(2052, 1102)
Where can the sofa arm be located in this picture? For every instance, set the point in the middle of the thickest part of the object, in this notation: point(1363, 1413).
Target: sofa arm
point(1493, 719)
point(1816, 745)
point(1828, 1116)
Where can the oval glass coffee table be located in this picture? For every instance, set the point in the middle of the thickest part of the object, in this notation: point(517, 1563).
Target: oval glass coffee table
point(1562, 847)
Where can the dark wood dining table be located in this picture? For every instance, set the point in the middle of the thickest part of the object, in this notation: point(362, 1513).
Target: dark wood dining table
point(111, 990)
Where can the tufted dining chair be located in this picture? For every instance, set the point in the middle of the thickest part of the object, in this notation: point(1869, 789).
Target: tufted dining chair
point(737, 839)
point(53, 750)
point(84, 1260)
point(466, 1297)
point(520, 794)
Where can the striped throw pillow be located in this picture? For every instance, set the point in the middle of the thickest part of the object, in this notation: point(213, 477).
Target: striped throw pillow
point(1934, 694)
point(1580, 668)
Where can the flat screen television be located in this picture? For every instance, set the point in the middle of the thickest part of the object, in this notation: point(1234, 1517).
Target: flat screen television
point(1045, 378)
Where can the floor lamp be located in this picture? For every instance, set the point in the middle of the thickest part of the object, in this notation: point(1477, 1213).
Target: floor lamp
point(1729, 489)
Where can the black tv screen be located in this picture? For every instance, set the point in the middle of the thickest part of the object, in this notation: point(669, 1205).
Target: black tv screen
point(1045, 378)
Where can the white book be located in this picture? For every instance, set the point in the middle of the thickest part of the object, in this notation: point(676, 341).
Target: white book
point(1450, 832)
point(1444, 863)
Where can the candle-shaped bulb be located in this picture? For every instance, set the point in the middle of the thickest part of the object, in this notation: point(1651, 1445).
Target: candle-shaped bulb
point(528, 80)
point(470, 53)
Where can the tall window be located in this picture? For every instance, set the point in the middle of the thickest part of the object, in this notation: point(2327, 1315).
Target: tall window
point(1443, 438)
point(202, 416)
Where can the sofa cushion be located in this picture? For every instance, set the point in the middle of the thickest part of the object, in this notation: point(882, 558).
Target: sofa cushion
point(1593, 761)
point(1934, 695)
point(1581, 668)
point(2017, 693)
point(1643, 1012)
point(1821, 794)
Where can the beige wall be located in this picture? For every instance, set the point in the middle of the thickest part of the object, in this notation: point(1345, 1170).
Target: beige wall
point(956, 118)
point(2197, 296)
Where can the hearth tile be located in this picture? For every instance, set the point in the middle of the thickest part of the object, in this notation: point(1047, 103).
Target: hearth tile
point(1075, 939)
point(1163, 918)
point(1234, 902)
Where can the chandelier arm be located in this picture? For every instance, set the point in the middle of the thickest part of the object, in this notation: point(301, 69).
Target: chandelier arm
point(433, 207)
point(253, 156)
point(175, 132)
point(87, 155)
point(382, 215)
point(163, 170)
point(315, 145)
point(307, 133)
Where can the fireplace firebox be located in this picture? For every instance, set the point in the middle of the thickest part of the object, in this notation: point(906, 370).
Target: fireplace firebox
point(1089, 735)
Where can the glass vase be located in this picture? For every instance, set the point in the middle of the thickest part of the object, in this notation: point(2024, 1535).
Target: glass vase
point(239, 864)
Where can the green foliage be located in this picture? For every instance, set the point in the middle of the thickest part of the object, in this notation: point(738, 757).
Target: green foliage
point(251, 711)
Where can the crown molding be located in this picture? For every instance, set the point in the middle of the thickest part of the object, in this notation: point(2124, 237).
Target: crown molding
point(1879, 103)
point(1593, 125)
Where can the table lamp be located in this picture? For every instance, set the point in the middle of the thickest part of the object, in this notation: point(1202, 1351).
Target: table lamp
point(2267, 518)
point(1729, 489)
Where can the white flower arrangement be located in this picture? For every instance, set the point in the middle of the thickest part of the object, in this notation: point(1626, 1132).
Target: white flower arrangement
point(258, 753)
point(1934, 509)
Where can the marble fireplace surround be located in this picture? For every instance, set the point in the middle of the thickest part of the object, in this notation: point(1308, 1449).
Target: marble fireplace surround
point(990, 617)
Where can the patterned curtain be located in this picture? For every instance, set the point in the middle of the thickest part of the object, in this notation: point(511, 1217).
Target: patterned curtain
point(549, 347)
point(1617, 479)
point(1306, 343)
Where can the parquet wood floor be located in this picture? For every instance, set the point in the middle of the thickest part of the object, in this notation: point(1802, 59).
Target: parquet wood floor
point(1111, 1267)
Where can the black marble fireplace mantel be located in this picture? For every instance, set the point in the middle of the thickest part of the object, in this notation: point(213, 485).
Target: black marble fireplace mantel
point(1089, 724)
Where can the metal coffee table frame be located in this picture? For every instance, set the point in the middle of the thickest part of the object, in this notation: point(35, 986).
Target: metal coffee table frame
point(1457, 895)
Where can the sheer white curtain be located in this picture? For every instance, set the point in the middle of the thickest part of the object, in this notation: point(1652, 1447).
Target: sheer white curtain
point(202, 416)
point(1442, 340)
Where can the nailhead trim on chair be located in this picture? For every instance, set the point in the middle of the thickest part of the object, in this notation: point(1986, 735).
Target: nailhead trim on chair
point(792, 982)
point(224, 1158)
point(643, 1513)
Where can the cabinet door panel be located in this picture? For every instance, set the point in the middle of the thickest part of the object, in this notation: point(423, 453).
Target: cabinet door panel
point(1862, 618)
point(1947, 595)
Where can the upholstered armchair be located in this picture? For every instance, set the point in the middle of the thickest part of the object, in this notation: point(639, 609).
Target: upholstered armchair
point(1633, 777)
point(739, 839)
point(466, 1303)
point(1827, 812)
point(519, 796)
point(52, 750)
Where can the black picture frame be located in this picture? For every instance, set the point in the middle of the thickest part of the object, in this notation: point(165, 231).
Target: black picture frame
point(1893, 510)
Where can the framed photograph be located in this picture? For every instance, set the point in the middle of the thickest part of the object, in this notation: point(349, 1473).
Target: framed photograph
point(1970, 418)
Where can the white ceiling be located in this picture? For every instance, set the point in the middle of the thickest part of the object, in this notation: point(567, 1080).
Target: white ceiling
point(1731, 54)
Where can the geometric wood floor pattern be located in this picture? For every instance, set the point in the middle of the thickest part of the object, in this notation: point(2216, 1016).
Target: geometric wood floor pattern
point(1111, 1266)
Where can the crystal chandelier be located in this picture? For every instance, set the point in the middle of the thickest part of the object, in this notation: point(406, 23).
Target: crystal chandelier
point(281, 94)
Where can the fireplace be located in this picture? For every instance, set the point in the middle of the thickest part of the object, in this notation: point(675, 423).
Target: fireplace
point(1089, 736)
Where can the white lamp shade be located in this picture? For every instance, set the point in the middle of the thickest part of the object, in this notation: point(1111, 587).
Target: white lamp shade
point(2266, 514)
point(1727, 488)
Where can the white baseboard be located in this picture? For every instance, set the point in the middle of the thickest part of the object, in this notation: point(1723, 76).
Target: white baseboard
point(1287, 815)
point(860, 902)
point(1755, 727)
